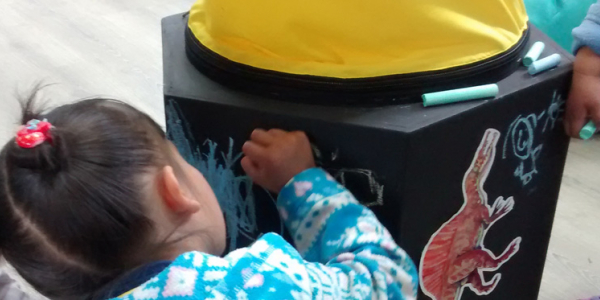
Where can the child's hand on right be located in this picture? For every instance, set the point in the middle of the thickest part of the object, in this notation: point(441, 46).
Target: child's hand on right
point(584, 99)
point(274, 157)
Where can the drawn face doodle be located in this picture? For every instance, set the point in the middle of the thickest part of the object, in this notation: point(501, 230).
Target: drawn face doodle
point(524, 138)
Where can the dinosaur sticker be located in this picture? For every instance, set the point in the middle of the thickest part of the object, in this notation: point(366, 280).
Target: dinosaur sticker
point(455, 256)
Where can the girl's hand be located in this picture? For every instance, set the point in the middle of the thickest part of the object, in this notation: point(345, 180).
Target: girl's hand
point(584, 100)
point(274, 157)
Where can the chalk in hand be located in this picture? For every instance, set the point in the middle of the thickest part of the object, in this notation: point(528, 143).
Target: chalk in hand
point(460, 95)
point(588, 131)
point(534, 53)
point(544, 64)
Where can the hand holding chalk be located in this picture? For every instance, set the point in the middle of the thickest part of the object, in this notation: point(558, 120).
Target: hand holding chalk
point(460, 95)
point(274, 157)
point(588, 131)
point(583, 103)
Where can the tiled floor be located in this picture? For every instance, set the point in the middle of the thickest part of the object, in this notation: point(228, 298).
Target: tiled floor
point(113, 48)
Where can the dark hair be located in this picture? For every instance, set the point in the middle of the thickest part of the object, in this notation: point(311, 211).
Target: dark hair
point(71, 210)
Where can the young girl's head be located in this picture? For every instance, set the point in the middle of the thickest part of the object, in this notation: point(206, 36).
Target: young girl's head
point(103, 193)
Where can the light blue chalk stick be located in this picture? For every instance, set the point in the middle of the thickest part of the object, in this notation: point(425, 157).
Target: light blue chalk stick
point(544, 64)
point(588, 131)
point(459, 95)
point(534, 53)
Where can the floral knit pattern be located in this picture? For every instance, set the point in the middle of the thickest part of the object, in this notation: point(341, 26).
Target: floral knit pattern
point(342, 252)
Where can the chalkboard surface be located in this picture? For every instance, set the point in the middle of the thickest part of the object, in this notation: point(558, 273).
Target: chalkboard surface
point(409, 163)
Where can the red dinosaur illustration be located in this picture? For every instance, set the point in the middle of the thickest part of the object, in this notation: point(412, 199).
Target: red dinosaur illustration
point(455, 256)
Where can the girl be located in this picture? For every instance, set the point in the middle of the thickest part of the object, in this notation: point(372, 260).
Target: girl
point(95, 203)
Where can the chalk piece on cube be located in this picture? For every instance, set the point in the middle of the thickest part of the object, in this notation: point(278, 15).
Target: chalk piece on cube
point(459, 95)
point(534, 53)
point(588, 130)
point(544, 64)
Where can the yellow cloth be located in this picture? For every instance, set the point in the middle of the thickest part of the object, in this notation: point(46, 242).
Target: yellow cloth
point(357, 38)
point(128, 293)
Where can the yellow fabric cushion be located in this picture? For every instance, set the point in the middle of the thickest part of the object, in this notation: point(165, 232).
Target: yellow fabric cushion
point(357, 38)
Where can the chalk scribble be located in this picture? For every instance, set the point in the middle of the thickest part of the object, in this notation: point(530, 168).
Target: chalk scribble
point(234, 192)
point(523, 138)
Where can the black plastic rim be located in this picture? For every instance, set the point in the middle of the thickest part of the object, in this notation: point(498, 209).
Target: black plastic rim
point(391, 89)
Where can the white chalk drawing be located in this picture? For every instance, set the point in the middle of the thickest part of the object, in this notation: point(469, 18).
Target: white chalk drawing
point(521, 134)
point(334, 155)
point(521, 140)
point(358, 176)
point(554, 111)
point(375, 188)
point(234, 193)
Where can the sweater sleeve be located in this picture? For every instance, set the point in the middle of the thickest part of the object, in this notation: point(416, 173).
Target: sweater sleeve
point(343, 253)
point(588, 33)
point(330, 228)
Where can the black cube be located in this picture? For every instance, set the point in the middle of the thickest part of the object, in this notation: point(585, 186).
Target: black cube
point(469, 190)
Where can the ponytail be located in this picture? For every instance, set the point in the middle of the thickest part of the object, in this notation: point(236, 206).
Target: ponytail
point(71, 212)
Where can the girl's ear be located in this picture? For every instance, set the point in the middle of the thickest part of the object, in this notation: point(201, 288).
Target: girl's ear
point(174, 195)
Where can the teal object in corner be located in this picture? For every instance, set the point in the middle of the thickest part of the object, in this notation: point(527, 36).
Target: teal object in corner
point(557, 18)
point(588, 131)
point(459, 95)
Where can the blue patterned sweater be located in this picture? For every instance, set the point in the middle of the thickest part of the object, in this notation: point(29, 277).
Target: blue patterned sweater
point(342, 252)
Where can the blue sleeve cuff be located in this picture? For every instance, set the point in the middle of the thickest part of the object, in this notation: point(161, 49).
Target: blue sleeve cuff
point(588, 33)
point(310, 181)
point(305, 190)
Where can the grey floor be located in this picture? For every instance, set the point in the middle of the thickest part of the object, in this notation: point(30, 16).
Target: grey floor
point(113, 48)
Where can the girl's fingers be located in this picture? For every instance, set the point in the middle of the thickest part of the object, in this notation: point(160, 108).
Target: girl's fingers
point(595, 115)
point(261, 137)
point(255, 151)
point(277, 132)
point(575, 119)
point(250, 168)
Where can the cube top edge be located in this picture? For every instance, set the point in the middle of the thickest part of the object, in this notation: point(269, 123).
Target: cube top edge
point(183, 80)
